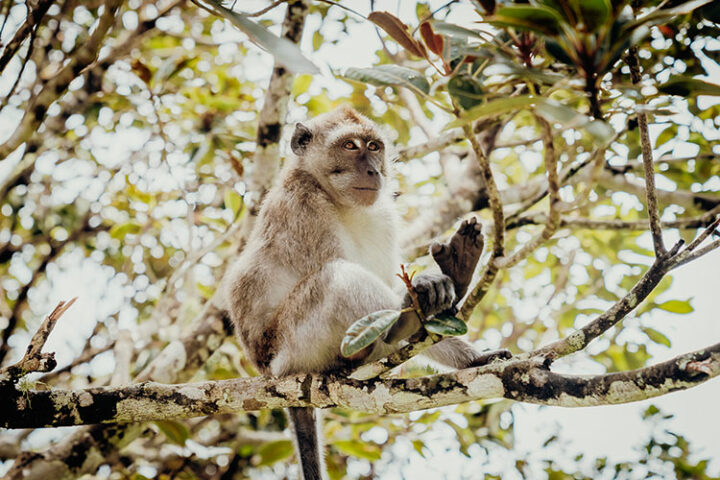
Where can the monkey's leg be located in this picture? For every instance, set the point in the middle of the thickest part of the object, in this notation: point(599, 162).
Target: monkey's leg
point(319, 310)
point(458, 258)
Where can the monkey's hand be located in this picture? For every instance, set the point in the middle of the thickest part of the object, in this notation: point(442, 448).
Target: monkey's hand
point(459, 257)
point(435, 292)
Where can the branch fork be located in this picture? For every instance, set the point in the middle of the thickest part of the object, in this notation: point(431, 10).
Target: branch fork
point(34, 360)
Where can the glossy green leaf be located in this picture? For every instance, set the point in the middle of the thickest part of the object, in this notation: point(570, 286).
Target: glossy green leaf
point(466, 90)
point(384, 75)
point(285, 52)
point(677, 306)
point(454, 31)
point(685, 86)
point(538, 19)
point(594, 13)
point(558, 52)
point(554, 111)
point(492, 108)
point(365, 331)
point(446, 325)
point(174, 431)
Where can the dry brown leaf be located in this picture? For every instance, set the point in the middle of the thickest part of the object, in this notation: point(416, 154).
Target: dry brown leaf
point(398, 31)
point(433, 41)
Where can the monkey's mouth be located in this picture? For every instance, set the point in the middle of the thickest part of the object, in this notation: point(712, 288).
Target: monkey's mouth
point(366, 189)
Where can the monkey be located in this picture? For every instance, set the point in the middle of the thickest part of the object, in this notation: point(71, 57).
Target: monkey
point(324, 252)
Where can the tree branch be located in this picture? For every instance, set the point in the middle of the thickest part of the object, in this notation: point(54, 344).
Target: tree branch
point(266, 159)
point(28, 28)
point(648, 166)
point(491, 269)
point(553, 216)
point(34, 360)
point(699, 221)
point(521, 380)
point(56, 86)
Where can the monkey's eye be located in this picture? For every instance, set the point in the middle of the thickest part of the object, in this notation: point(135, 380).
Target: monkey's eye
point(373, 146)
point(350, 145)
point(337, 170)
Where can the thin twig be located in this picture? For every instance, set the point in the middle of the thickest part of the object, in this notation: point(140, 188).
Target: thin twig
point(34, 360)
point(490, 271)
point(648, 166)
point(579, 339)
point(699, 221)
point(553, 216)
point(264, 10)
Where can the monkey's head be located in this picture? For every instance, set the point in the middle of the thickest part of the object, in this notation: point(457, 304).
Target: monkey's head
point(346, 152)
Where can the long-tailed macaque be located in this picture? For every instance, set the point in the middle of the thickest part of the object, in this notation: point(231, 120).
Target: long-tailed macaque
point(324, 253)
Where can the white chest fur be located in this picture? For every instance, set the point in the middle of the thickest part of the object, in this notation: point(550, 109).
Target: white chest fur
point(368, 238)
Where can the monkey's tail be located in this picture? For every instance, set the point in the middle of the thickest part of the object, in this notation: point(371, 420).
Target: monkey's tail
point(308, 443)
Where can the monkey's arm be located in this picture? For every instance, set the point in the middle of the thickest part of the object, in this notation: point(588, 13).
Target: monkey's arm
point(457, 260)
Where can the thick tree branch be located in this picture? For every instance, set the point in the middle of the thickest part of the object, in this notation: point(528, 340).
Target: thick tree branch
point(521, 380)
point(266, 159)
point(84, 450)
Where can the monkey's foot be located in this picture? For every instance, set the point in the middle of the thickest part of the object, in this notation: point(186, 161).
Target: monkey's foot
point(458, 258)
point(483, 358)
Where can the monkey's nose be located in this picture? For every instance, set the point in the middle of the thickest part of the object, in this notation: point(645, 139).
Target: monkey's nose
point(372, 172)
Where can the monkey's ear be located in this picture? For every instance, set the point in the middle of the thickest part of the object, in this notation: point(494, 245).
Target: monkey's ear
point(300, 139)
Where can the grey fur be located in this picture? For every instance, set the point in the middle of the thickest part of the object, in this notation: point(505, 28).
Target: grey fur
point(324, 253)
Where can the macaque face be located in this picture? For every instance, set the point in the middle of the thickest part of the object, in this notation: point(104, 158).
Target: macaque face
point(355, 169)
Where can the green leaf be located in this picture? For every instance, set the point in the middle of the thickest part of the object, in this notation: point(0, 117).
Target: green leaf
point(384, 75)
point(666, 135)
point(454, 31)
point(175, 431)
point(285, 52)
point(366, 330)
point(686, 86)
point(656, 336)
point(677, 306)
point(594, 13)
point(446, 325)
point(466, 90)
point(554, 111)
point(273, 452)
point(120, 230)
point(359, 449)
point(539, 19)
point(558, 52)
point(233, 201)
point(492, 108)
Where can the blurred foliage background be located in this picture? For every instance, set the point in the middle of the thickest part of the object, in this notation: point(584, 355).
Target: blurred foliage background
point(124, 179)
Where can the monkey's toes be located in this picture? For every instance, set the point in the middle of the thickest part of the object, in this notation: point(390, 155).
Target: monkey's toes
point(439, 251)
point(490, 356)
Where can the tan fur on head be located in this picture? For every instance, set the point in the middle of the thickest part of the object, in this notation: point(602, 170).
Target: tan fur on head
point(330, 125)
